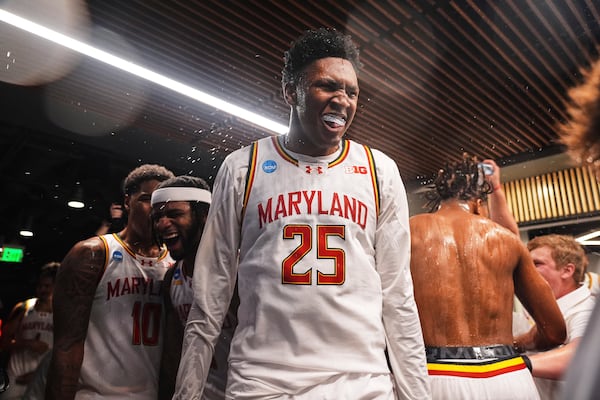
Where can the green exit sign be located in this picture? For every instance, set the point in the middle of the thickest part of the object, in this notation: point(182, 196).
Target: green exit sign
point(11, 254)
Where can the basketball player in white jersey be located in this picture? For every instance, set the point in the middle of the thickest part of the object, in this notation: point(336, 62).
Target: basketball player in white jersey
point(108, 306)
point(315, 229)
point(179, 209)
point(27, 336)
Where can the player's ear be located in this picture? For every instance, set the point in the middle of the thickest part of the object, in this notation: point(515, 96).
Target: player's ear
point(126, 203)
point(479, 207)
point(289, 94)
point(568, 270)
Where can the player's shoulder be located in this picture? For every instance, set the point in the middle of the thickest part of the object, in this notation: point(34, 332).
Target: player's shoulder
point(240, 158)
point(91, 244)
point(421, 222)
point(90, 251)
point(417, 218)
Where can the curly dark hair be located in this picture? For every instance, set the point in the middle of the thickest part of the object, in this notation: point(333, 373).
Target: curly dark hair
point(462, 180)
point(581, 134)
point(313, 45)
point(145, 173)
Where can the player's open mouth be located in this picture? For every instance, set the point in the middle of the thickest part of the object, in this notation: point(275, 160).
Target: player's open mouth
point(170, 238)
point(334, 121)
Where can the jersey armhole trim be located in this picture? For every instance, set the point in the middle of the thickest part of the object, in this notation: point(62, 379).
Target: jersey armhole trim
point(105, 244)
point(374, 179)
point(250, 176)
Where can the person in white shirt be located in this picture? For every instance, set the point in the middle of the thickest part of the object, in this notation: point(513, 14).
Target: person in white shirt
point(592, 282)
point(562, 263)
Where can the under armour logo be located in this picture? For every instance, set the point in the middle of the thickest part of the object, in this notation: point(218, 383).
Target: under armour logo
point(310, 169)
point(146, 262)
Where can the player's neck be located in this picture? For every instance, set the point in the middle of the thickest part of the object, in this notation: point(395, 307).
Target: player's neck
point(143, 246)
point(296, 142)
point(43, 305)
point(455, 204)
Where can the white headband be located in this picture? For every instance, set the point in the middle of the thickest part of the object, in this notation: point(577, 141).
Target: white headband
point(180, 194)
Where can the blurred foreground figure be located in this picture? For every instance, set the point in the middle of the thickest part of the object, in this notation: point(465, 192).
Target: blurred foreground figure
point(315, 229)
point(179, 209)
point(562, 262)
point(27, 336)
point(466, 269)
point(581, 134)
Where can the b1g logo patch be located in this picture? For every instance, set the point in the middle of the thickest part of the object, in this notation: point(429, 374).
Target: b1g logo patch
point(357, 169)
point(269, 166)
point(117, 256)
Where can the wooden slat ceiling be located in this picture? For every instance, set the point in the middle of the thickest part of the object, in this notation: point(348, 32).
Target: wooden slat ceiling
point(439, 78)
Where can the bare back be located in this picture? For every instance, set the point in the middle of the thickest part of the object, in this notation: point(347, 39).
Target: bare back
point(463, 266)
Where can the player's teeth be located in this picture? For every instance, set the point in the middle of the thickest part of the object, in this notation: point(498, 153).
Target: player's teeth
point(334, 119)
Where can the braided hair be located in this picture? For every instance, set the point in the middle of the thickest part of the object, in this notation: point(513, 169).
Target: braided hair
point(462, 180)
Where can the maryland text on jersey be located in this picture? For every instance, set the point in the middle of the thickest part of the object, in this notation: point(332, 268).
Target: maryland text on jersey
point(313, 202)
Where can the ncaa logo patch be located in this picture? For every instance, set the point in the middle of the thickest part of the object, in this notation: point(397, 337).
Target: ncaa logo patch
point(177, 274)
point(117, 256)
point(269, 166)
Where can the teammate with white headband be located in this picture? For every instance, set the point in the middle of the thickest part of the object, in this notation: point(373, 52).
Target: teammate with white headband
point(167, 194)
point(179, 210)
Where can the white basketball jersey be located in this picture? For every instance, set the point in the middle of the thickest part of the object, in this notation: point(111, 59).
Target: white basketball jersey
point(181, 293)
point(34, 325)
point(124, 340)
point(181, 297)
point(310, 295)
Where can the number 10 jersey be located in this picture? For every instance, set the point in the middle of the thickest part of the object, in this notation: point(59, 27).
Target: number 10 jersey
point(124, 339)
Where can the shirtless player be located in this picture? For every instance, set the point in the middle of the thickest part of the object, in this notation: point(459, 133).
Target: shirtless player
point(465, 270)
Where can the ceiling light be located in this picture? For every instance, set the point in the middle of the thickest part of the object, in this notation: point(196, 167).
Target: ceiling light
point(584, 240)
point(77, 199)
point(140, 71)
point(27, 229)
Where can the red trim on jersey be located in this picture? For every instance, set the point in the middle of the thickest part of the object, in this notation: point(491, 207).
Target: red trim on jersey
point(343, 154)
point(251, 176)
point(373, 179)
point(288, 157)
point(281, 151)
point(163, 250)
point(125, 245)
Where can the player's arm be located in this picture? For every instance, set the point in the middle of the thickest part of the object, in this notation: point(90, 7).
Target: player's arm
point(404, 337)
point(498, 206)
point(537, 297)
point(9, 341)
point(552, 364)
point(74, 290)
point(173, 337)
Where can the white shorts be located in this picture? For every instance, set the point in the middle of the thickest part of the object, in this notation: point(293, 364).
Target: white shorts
point(308, 385)
point(503, 379)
